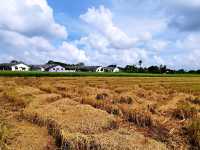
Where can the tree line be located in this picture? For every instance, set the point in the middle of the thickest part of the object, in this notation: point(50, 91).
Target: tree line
point(155, 69)
point(137, 68)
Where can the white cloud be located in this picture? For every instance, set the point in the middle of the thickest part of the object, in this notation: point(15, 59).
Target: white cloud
point(74, 54)
point(26, 29)
point(159, 60)
point(30, 17)
point(191, 41)
point(95, 41)
point(187, 60)
point(158, 45)
point(37, 49)
point(121, 35)
point(101, 20)
point(106, 43)
point(185, 3)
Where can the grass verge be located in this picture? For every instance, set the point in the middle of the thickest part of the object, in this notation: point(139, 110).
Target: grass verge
point(89, 74)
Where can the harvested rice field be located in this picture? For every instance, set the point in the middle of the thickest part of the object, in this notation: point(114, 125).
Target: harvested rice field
point(100, 113)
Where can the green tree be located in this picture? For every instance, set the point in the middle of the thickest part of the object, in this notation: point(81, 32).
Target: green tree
point(140, 63)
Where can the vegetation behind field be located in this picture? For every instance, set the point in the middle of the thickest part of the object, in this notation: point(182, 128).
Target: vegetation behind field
point(91, 74)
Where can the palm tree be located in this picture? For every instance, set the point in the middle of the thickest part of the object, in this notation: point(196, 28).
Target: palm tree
point(140, 63)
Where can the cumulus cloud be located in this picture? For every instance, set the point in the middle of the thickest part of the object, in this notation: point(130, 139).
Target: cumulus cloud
point(37, 49)
point(117, 35)
point(27, 28)
point(75, 54)
point(101, 20)
point(94, 41)
point(30, 17)
point(18, 46)
point(109, 44)
point(190, 42)
point(158, 45)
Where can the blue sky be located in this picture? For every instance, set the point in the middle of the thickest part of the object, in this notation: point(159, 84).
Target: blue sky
point(102, 32)
point(67, 11)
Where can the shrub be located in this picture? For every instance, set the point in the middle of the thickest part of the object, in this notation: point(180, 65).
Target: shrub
point(185, 111)
point(194, 132)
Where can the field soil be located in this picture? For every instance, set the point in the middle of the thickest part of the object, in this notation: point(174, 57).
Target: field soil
point(99, 113)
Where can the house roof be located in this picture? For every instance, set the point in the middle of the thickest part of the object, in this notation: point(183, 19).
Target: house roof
point(88, 68)
point(11, 64)
point(111, 68)
point(5, 65)
point(36, 66)
point(49, 66)
point(71, 67)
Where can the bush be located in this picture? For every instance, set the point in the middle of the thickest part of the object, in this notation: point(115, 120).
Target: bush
point(194, 132)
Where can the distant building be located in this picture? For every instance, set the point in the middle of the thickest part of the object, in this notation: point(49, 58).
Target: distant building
point(55, 68)
point(52, 66)
point(37, 68)
point(14, 66)
point(112, 68)
point(91, 69)
point(71, 69)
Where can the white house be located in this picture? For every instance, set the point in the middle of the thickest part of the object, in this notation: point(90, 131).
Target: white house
point(56, 68)
point(91, 69)
point(14, 66)
point(116, 69)
point(37, 68)
point(20, 67)
point(112, 68)
point(100, 69)
point(69, 68)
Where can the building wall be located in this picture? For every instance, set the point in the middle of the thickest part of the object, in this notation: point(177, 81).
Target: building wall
point(57, 69)
point(116, 70)
point(100, 69)
point(42, 69)
point(20, 67)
